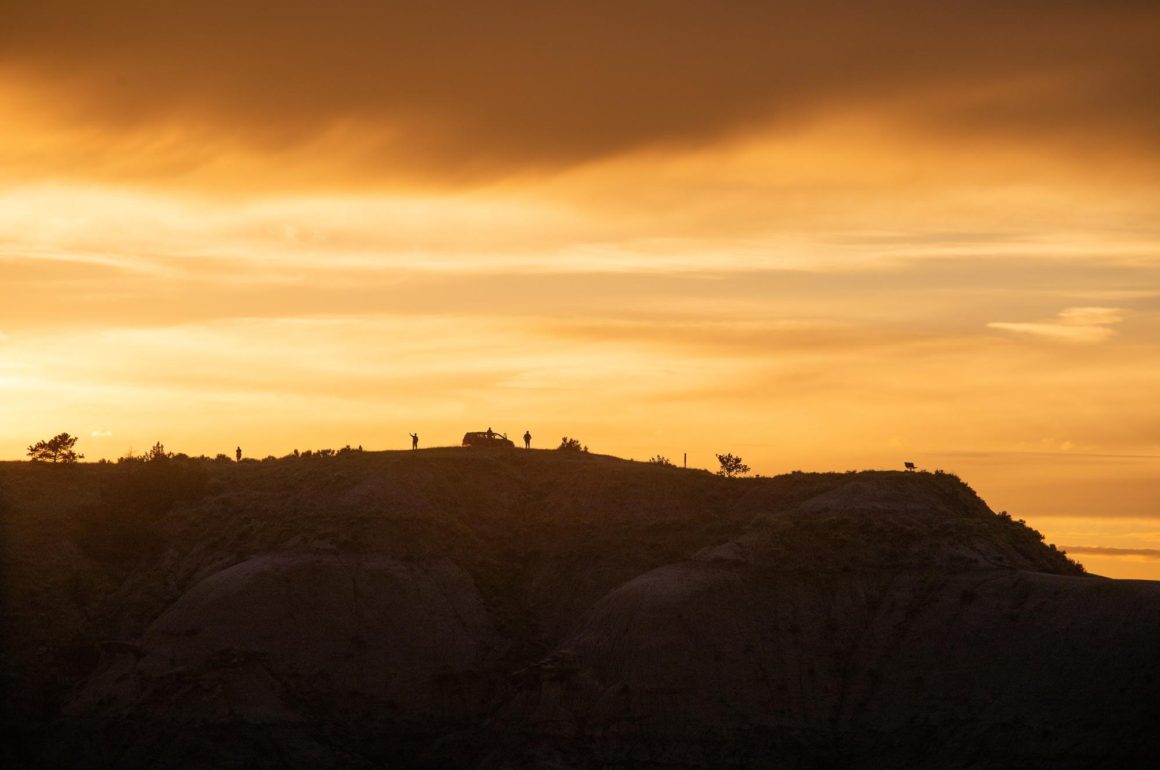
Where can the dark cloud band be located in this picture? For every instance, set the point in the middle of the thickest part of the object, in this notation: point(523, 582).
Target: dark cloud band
point(463, 88)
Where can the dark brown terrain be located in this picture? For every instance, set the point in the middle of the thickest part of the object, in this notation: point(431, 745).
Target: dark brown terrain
point(508, 609)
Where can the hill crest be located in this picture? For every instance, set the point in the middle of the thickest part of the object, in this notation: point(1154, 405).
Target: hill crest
point(529, 602)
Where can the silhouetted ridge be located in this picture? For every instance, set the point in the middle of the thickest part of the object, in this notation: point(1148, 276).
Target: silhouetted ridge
point(513, 608)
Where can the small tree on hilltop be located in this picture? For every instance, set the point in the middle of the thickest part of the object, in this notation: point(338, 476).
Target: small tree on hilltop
point(157, 453)
point(731, 466)
point(571, 445)
point(58, 449)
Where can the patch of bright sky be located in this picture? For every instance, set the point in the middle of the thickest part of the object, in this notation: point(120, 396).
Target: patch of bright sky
point(808, 302)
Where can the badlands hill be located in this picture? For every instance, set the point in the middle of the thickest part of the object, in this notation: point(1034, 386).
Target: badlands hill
point(510, 609)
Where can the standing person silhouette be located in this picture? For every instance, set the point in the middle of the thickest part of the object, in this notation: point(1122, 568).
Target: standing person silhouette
point(414, 440)
point(527, 439)
point(238, 454)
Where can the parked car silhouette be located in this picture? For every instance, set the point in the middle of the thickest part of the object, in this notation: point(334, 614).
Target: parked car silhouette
point(487, 438)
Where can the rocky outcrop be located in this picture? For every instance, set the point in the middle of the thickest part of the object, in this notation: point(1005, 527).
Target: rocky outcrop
point(287, 642)
point(413, 638)
point(725, 662)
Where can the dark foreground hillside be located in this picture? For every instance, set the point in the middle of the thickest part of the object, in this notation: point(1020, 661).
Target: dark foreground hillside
point(509, 609)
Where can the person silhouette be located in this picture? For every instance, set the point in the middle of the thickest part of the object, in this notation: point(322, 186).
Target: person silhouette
point(414, 440)
point(490, 432)
point(238, 454)
point(527, 439)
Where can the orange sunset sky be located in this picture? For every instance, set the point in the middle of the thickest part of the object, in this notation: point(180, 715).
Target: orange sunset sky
point(822, 236)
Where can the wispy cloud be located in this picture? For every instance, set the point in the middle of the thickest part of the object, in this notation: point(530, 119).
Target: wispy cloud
point(101, 433)
point(1074, 324)
point(1099, 550)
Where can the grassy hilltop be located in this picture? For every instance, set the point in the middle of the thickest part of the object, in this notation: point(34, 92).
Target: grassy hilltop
point(512, 608)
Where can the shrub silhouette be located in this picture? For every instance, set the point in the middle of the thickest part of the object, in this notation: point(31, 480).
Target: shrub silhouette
point(661, 460)
point(571, 445)
point(157, 453)
point(1029, 542)
point(58, 449)
point(731, 466)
